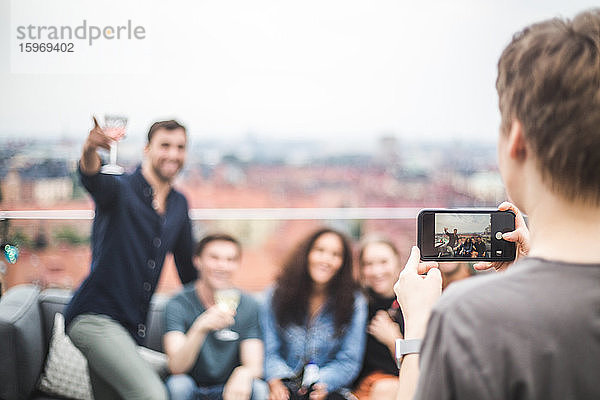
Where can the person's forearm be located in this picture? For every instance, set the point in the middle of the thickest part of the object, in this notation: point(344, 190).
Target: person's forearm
point(255, 366)
point(409, 377)
point(253, 369)
point(182, 360)
point(409, 370)
point(90, 162)
point(252, 355)
point(389, 341)
point(416, 327)
point(392, 347)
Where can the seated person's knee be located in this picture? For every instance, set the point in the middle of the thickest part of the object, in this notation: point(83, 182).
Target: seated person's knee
point(260, 390)
point(181, 387)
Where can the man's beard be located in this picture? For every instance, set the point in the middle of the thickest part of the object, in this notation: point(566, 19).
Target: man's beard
point(163, 178)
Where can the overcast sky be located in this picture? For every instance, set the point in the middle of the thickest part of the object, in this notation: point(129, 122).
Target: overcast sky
point(335, 69)
point(464, 223)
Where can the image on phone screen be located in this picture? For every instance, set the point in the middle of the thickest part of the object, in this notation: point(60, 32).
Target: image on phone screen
point(463, 235)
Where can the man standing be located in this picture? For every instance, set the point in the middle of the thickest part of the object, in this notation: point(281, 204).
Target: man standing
point(531, 332)
point(452, 240)
point(139, 218)
point(207, 364)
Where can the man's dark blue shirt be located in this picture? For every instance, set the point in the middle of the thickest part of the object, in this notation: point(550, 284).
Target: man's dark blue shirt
point(129, 243)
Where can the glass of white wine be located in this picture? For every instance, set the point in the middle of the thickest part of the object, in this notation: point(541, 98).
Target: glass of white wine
point(227, 300)
point(114, 127)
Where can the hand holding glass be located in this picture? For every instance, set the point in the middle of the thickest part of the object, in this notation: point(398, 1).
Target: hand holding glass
point(115, 128)
point(227, 300)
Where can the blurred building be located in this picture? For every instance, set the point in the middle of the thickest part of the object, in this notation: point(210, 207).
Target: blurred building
point(44, 184)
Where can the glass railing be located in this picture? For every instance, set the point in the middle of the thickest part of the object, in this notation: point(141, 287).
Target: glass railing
point(54, 248)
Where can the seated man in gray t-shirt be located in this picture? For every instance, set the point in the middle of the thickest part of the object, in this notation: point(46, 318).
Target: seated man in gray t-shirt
point(212, 338)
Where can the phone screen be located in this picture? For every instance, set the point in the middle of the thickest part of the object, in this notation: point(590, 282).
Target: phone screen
point(468, 235)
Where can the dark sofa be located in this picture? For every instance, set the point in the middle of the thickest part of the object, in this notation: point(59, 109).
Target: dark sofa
point(26, 322)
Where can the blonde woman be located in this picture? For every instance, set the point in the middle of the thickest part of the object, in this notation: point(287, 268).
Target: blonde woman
point(379, 269)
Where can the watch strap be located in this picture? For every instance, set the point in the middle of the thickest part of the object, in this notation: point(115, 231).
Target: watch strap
point(406, 346)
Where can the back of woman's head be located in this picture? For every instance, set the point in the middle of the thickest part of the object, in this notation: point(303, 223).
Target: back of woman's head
point(295, 285)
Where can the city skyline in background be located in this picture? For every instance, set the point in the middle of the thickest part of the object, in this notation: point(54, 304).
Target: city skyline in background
point(337, 71)
point(39, 177)
point(325, 104)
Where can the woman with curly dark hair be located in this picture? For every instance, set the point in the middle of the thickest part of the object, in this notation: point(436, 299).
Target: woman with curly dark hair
point(314, 322)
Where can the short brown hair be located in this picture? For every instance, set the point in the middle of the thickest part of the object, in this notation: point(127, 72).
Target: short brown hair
point(169, 125)
point(549, 80)
point(214, 237)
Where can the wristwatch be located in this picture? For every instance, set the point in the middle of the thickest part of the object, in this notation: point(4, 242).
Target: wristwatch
point(406, 346)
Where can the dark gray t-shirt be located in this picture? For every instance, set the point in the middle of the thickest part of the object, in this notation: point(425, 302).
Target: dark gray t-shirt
point(530, 333)
point(217, 358)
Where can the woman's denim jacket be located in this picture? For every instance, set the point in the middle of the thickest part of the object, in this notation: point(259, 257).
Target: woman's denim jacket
point(289, 349)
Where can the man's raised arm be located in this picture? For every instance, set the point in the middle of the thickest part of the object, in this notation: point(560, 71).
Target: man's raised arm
point(90, 162)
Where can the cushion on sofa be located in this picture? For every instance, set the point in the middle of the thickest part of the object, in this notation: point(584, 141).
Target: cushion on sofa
point(27, 322)
point(52, 301)
point(66, 373)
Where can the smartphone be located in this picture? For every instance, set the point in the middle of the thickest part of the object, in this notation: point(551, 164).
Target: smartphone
point(474, 235)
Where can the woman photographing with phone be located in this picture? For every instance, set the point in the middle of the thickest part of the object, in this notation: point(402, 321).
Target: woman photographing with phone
point(314, 322)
